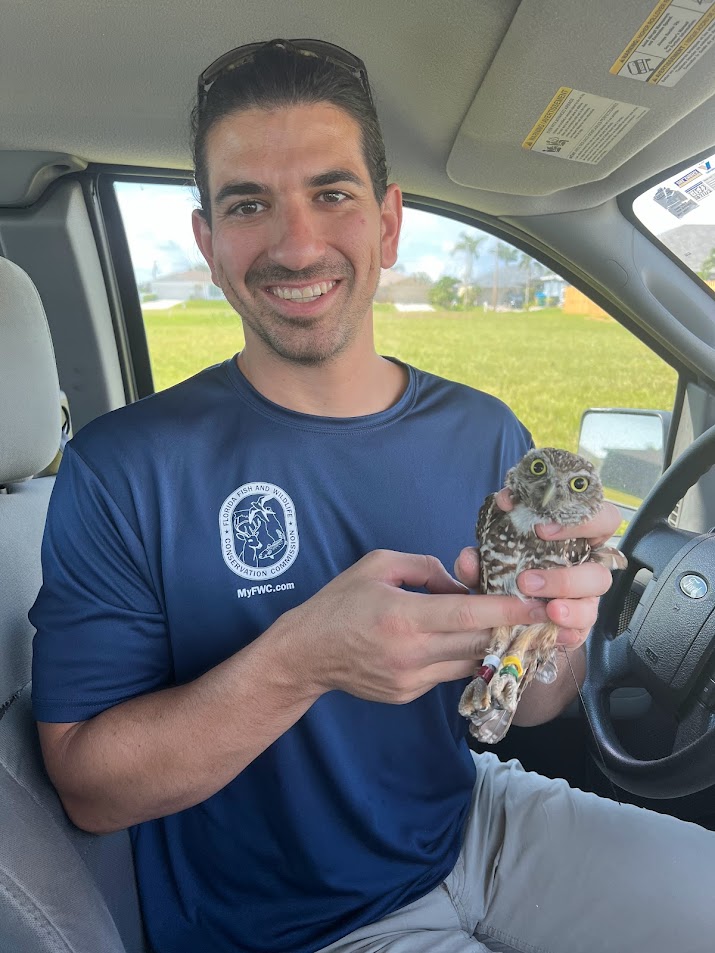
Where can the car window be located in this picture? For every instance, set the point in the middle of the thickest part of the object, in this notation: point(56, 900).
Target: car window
point(680, 212)
point(460, 303)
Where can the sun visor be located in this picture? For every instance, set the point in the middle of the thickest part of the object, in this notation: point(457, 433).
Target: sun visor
point(554, 113)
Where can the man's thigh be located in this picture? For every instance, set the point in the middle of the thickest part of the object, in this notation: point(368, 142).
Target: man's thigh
point(549, 869)
point(429, 925)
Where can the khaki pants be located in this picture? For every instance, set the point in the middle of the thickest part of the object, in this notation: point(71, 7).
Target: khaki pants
point(548, 869)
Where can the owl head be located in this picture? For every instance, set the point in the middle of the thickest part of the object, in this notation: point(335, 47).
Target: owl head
point(559, 486)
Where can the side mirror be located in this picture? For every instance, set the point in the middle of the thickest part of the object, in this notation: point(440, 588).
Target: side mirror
point(627, 447)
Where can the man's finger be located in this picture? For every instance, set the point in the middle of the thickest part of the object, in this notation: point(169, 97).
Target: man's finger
point(572, 638)
point(458, 647)
point(597, 530)
point(573, 613)
point(504, 500)
point(450, 671)
point(565, 582)
point(411, 569)
point(447, 613)
point(466, 567)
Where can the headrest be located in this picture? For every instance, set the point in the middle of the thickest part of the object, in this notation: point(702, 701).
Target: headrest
point(30, 423)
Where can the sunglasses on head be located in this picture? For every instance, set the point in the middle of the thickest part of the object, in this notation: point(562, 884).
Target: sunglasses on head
point(335, 55)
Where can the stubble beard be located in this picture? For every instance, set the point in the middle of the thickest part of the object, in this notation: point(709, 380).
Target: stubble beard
point(304, 342)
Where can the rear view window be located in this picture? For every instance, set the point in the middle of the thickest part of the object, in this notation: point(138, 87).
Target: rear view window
point(680, 212)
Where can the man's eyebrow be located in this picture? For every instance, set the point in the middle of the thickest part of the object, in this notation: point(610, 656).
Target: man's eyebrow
point(232, 189)
point(323, 179)
point(333, 177)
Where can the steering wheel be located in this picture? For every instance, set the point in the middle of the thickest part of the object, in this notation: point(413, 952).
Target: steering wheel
point(669, 645)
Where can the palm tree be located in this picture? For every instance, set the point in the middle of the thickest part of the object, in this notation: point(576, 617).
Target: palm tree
point(468, 248)
point(508, 255)
point(533, 269)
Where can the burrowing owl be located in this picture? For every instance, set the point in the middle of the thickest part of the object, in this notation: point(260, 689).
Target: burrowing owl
point(548, 486)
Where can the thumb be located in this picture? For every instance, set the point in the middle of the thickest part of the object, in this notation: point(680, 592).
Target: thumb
point(466, 567)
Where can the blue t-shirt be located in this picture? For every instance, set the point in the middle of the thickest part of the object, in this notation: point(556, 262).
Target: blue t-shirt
point(179, 529)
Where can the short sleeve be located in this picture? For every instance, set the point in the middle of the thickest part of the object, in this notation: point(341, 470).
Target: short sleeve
point(516, 441)
point(101, 632)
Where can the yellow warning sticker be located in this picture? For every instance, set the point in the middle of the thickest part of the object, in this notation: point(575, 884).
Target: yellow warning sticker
point(580, 126)
point(671, 41)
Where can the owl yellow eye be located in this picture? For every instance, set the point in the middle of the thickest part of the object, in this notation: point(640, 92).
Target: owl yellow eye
point(538, 467)
point(578, 484)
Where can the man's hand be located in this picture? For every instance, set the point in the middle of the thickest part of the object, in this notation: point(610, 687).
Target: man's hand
point(574, 591)
point(365, 634)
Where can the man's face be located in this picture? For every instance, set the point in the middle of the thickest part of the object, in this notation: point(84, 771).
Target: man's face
point(297, 238)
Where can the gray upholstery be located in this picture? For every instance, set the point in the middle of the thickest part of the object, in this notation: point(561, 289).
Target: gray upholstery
point(61, 890)
point(29, 405)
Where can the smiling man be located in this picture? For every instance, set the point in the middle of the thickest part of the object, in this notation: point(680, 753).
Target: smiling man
point(297, 245)
point(248, 648)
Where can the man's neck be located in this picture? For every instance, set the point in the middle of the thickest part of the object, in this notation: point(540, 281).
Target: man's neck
point(342, 387)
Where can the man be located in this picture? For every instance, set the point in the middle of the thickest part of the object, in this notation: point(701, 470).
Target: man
point(231, 655)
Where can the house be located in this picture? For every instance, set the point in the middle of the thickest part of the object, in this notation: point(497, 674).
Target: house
point(508, 286)
point(195, 283)
point(550, 290)
point(397, 288)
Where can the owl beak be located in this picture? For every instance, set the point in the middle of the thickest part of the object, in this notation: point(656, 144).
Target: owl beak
point(548, 493)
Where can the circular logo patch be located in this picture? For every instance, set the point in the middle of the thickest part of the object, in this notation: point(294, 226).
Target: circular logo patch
point(259, 533)
point(694, 586)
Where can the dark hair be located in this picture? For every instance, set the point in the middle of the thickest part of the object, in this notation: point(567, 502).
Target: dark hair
point(279, 76)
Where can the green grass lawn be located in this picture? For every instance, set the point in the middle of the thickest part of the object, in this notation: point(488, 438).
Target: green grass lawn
point(548, 366)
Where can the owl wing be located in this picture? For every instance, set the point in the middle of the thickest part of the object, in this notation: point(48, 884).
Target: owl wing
point(501, 550)
point(485, 520)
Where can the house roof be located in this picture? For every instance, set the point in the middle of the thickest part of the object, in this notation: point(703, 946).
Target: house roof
point(195, 275)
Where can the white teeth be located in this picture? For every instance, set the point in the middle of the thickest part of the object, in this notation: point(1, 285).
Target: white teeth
point(310, 292)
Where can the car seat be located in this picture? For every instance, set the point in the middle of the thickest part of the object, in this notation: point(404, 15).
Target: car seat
point(61, 889)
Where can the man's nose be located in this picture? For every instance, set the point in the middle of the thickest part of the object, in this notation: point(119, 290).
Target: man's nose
point(297, 242)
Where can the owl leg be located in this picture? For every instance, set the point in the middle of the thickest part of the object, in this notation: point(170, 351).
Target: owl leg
point(609, 557)
point(477, 696)
point(532, 647)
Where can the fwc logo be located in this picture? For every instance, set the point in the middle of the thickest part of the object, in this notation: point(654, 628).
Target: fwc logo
point(259, 532)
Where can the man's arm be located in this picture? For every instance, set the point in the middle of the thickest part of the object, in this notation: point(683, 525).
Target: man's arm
point(163, 752)
point(362, 633)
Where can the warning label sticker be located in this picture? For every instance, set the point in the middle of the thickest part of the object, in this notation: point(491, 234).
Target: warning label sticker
point(582, 127)
point(671, 41)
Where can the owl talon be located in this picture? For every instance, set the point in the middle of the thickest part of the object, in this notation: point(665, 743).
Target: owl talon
point(547, 671)
point(505, 692)
point(476, 698)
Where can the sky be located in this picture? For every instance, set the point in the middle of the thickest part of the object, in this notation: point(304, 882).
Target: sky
point(157, 219)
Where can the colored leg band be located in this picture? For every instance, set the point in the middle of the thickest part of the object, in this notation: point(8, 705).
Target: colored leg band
point(486, 673)
point(510, 670)
point(515, 662)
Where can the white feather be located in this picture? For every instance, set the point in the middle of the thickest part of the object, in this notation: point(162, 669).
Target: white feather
point(524, 519)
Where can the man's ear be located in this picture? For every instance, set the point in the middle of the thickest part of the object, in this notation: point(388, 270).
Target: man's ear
point(204, 239)
point(391, 223)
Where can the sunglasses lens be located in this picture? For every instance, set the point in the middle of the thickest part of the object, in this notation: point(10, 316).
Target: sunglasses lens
point(243, 54)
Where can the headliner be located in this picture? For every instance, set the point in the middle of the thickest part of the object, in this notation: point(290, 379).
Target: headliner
point(458, 87)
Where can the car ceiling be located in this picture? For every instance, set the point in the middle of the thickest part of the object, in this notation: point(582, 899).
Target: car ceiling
point(459, 85)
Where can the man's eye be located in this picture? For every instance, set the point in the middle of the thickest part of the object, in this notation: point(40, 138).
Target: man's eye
point(333, 198)
point(245, 209)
